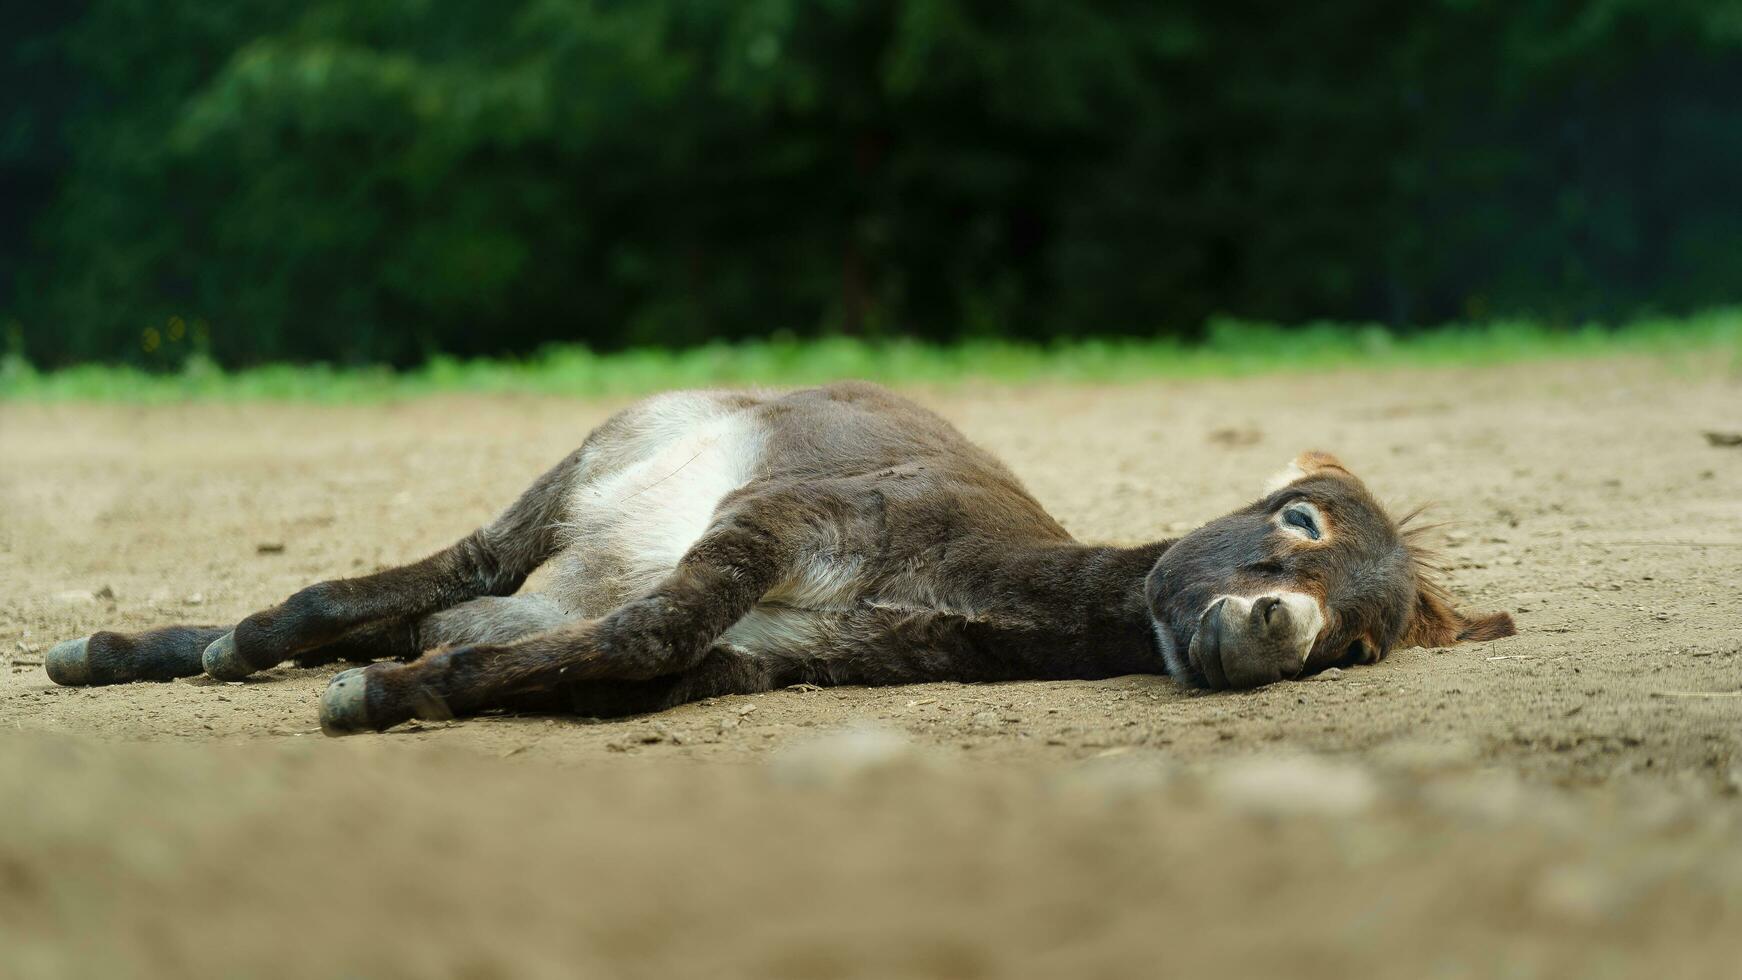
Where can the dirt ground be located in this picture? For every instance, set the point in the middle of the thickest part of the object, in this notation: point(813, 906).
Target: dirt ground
point(1561, 803)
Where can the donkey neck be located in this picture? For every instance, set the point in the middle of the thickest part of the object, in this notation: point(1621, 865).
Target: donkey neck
point(1087, 603)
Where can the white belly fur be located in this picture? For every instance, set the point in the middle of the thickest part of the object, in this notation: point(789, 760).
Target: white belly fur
point(629, 527)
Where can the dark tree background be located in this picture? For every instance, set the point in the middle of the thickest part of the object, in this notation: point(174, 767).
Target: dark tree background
point(328, 179)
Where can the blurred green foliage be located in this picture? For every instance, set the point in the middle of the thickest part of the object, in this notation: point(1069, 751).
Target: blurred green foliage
point(255, 180)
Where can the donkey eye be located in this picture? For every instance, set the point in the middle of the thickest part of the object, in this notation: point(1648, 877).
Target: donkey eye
point(1303, 519)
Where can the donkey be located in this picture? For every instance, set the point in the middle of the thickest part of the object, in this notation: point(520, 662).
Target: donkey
point(719, 542)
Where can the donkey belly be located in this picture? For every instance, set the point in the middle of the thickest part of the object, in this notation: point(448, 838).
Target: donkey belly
point(628, 527)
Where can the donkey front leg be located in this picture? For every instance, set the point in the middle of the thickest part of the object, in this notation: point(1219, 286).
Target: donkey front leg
point(666, 632)
point(491, 561)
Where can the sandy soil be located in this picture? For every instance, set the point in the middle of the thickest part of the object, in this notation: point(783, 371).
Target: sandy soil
point(1556, 804)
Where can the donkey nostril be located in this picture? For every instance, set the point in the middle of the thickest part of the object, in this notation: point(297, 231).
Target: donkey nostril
point(1267, 607)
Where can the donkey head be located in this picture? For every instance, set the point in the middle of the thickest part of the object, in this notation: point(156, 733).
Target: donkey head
point(1312, 575)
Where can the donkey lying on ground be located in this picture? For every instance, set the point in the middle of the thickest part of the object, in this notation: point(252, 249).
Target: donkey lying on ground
point(725, 543)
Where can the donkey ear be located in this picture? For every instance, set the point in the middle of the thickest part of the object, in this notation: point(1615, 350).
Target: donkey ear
point(1306, 464)
point(1436, 624)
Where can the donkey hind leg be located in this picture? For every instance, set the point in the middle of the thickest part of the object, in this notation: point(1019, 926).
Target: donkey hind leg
point(725, 670)
point(557, 671)
point(488, 619)
point(669, 631)
point(872, 647)
point(491, 561)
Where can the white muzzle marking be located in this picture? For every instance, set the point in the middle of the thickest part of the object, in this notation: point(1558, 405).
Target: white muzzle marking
point(1304, 612)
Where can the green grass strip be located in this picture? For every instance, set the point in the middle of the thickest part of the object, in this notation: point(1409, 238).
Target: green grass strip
point(1701, 343)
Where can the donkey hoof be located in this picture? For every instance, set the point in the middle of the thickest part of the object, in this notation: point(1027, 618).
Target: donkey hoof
point(223, 661)
point(344, 705)
point(68, 663)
